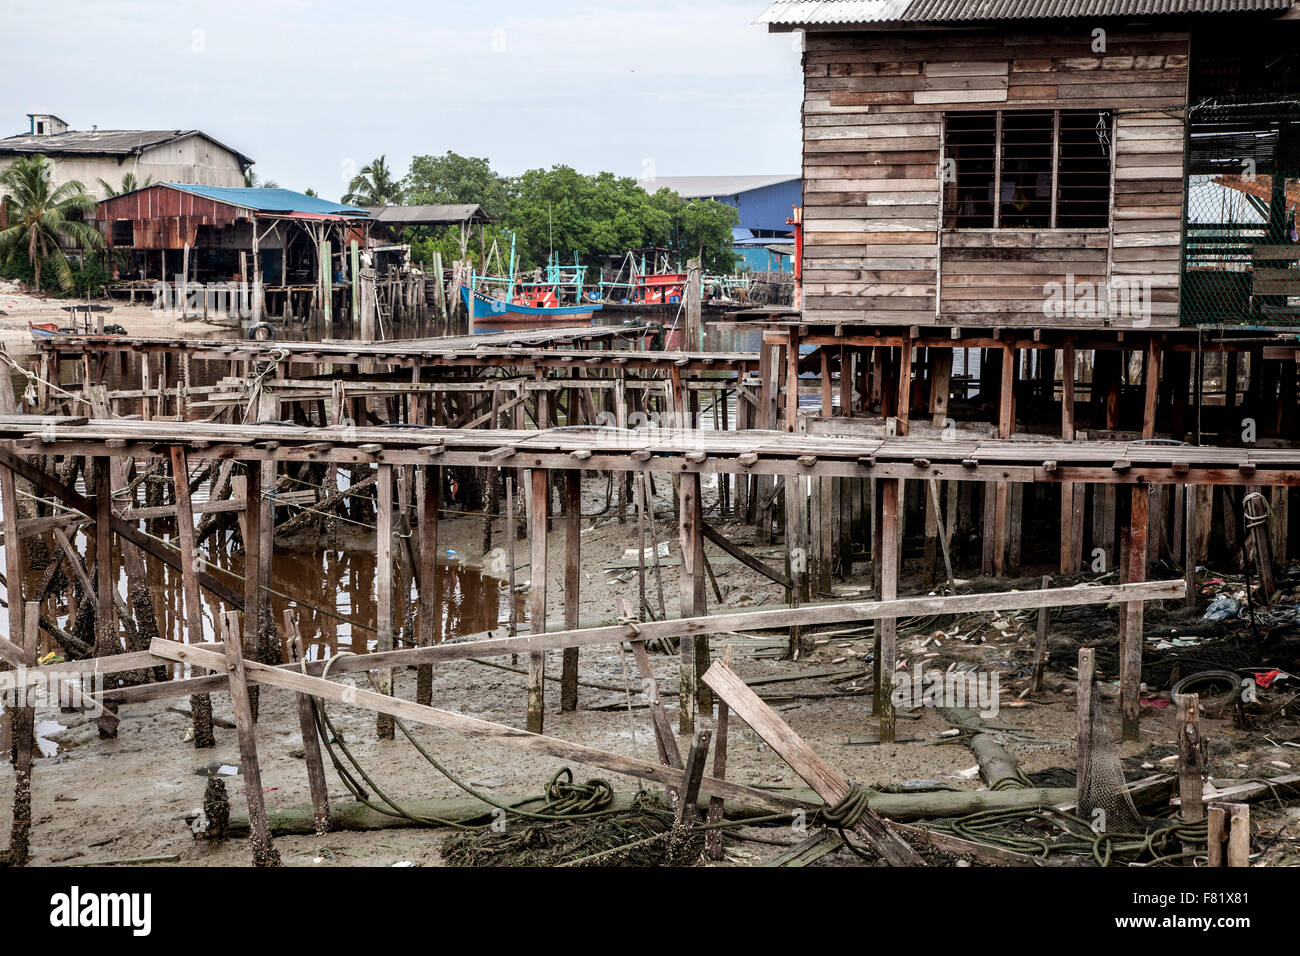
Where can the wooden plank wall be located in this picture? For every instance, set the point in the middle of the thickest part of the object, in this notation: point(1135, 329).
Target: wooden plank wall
point(874, 249)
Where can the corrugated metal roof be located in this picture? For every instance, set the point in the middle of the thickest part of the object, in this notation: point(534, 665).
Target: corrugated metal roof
point(110, 142)
point(428, 215)
point(270, 200)
point(800, 12)
point(702, 187)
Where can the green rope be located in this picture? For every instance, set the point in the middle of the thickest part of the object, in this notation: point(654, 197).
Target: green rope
point(563, 799)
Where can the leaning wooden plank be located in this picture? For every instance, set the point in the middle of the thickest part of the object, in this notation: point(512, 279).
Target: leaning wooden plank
point(49, 485)
point(471, 726)
point(264, 854)
point(772, 619)
point(819, 775)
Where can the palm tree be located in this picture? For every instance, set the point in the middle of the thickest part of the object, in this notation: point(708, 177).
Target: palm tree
point(374, 186)
point(252, 182)
point(129, 185)
point(42, 215)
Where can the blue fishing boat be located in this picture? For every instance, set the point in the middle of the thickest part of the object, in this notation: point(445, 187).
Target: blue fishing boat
point(558, 295)
point(487, 308)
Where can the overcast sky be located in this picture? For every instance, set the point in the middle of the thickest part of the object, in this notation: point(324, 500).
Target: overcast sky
point(312, 89)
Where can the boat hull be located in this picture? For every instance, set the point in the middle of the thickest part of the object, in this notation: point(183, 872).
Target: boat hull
point(485, 309)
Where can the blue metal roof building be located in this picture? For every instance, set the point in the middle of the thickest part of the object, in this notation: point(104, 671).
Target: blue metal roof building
point(764, 203)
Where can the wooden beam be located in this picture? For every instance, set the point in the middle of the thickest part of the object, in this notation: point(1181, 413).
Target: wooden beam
point(471, 726)
point(804, 761)
point(49, 485)
point(776, 618)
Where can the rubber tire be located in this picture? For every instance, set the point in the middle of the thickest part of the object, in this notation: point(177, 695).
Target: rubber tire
point(261, 332)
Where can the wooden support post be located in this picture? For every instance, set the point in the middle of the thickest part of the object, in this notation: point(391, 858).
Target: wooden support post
point(11, 647)
point(24, 738)
point(200, 704)
point(264, 854)
point(1191, 759)
point(1151, 367)
point(106, 641)
point(696, 758)
point(320, 801)
point(384, 727)
point(572, 577)
point(792, 381)
point(1083, 711)
point(1002, 490)
point(1040, 642)
point(804, 761)
point(713, 838)
point(1229, 830)
point(1130, 654)
point(824, 357)
point(691, 581)
point(537, 598)
point(903, 410)
point(430, 622)
point(887, 628)
point(1071, 543)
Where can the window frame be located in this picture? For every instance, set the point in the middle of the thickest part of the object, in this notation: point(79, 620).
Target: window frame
point(1056, 172)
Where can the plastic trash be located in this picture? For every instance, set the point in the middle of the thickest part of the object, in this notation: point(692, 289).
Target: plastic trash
point(1223, 608)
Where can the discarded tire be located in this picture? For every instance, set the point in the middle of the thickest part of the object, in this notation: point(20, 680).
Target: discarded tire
point(261, 332)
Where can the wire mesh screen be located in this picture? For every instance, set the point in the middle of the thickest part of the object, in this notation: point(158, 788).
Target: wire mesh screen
point(1241, 251)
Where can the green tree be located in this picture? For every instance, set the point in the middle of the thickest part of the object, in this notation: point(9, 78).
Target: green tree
point(252, 181)
point(374, 186)
point(699, 228)
point(451, 179)
point(129, 185)
point(41, 215)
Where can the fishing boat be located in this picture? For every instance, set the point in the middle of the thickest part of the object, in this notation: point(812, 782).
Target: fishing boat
point(553, 294)
point(485, 308)
point(646, 284)
point(47, 330)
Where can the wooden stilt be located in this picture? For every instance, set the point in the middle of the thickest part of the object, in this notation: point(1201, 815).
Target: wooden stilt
point(384, 727)
point(887, 628)
point(264, 854)
point(572, 578)
point(691, 542)
point(1130, 654)
point(106, 641)
point(200, 704)
point(537, 598)
point(430, 631)
point(320, 801)
point(24, 741)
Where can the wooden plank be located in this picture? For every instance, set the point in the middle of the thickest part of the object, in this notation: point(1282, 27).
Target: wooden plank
point(471, 726)
point(804, 761)
point(264, 854)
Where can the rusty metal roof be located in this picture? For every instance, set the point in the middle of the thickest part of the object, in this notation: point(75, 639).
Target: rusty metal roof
point(882, 12)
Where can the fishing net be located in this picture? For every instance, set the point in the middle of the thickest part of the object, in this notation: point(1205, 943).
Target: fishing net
point(1103, 797)
point(640, 836)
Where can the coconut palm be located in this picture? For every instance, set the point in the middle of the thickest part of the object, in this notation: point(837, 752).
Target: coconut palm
point(129, 185)
point(41, 215)
point(374, 186)
point(252, 182)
